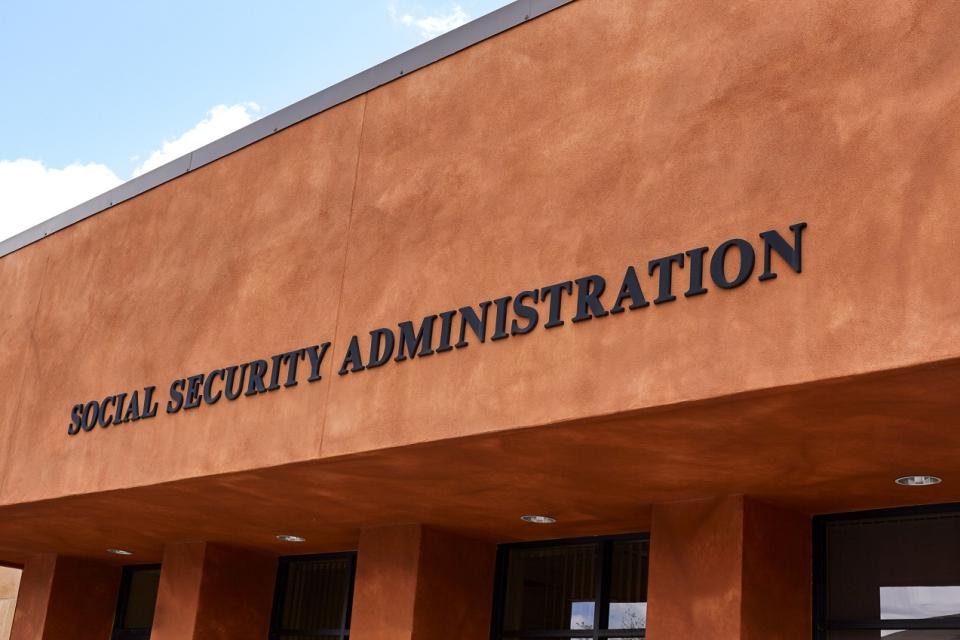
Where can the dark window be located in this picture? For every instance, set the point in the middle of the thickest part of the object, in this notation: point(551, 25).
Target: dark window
point(585, 588)
point(135, 606)
point(313, 597)
point(888, 574)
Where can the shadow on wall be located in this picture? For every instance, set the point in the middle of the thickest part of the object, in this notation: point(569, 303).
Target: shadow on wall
point(9, 585)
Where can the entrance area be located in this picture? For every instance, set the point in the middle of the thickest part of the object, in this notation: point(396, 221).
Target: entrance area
point(889, 574)
point(585, 588)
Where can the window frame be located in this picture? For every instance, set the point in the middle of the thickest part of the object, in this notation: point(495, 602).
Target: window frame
point(280, 586)
point(821, 624)
point(119, 633)
point(602, 606)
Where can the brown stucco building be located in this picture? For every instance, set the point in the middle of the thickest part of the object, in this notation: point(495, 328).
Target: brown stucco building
point(480, 282)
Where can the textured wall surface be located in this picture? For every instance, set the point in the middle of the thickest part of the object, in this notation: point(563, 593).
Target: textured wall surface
point(604, 134)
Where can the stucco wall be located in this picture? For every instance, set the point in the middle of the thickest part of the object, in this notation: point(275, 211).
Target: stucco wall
point(604, 134)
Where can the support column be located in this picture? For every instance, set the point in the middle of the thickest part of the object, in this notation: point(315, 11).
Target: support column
point(62, 597)
point(730, 568)
point(777, 573)
point(214, 592)
point(418, 583)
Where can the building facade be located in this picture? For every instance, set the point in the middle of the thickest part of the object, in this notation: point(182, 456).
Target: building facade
point(591, 319)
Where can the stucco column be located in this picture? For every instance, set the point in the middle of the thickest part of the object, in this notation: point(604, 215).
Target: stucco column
point(418, 583)
point(62, 597)
point(214, 592)
point(730, 568)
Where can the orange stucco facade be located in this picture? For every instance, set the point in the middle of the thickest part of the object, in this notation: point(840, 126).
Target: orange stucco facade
point(601, 135)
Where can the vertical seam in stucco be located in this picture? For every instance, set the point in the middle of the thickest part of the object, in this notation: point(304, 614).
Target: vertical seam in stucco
point(200, 590)
point(343, 272)
point(23, 376)
point(421, 532)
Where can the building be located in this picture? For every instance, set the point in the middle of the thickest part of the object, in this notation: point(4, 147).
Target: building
point(680, 276)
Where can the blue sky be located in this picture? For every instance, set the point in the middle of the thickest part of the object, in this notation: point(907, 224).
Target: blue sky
point(95, 92)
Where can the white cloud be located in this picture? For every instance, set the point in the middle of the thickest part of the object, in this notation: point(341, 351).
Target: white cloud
point(31, 192)
point(432, 25)
point(219, 121)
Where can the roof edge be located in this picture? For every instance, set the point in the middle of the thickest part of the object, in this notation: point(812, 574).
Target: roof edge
point(445, 45)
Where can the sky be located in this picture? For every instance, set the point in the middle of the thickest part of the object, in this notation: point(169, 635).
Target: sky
point(94, 93)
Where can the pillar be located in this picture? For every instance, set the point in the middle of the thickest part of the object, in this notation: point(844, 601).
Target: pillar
point(777, 601)
point(418, 583)
point(63, 597)
point(214, 592)
point(729, 568)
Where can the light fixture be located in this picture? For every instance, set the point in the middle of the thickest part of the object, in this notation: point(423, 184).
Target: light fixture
point(538, 519)
point(918, 481)
point(290, 538)
point(120, 552)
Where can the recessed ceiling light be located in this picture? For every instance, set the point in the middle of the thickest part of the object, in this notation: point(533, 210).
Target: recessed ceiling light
point(918, 481)
point(289, 538)
point(538, 519)
point(120, 552)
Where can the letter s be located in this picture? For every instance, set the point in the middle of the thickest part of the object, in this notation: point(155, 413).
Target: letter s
point(176, 394)
point(75, 419)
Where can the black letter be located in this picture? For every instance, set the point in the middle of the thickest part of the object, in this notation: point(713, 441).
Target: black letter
point(230, 391)
point(103, 412)
point(88, 421)
point(295, 357)
point(718, 261)
point(75, 419)
point(278, 361)
point(526, 312)
point(208, 385)
point(500, 329)
point(376, 358)
point(696, 272)
point(773, 240)
point(148, 404)
point(446, 324)
point(192, 400)
point(258, 369)
point(666, 276)
point(411, 343)
point(176, 398)
point(133, 411)
point(478, 324)
point(630, 289)
point(117, 418)
point(555, 299)
point(352, 358)
point(316, 353)
point(589, 290)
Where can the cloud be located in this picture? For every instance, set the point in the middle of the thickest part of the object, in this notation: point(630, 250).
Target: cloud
point(432, 25)
point(219, 121)
point(31, 192)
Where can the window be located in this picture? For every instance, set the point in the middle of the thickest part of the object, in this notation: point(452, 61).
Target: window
point(585, 588)
point(313, 597)
point(135, 606)
point(888, 574)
